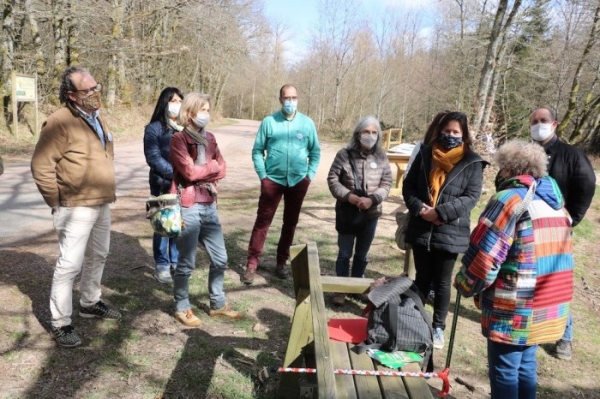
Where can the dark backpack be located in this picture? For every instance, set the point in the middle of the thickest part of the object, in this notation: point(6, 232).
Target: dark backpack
point(397, 321)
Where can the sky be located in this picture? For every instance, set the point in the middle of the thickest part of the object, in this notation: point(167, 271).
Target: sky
point(300, 16)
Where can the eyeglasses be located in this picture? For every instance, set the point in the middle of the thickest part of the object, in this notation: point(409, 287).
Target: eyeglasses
point(91, 90)
point(369, 132)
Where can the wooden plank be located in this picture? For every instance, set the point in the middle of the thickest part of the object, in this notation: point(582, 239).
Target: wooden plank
point(345, 285)
point(417, 387)
point(325, 377)
point(341, 360)
point(366, 386)
point(299, 262)
point(409, 263)
point(392, 387)
point(300, 335)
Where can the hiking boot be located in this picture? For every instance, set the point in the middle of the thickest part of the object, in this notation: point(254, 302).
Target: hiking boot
point(339, 299)
point(65, 336)
point(248, 277)
point(438, 338)
point(187, 318)
point(100, 310)
point(282, 272)
point(163, 276)
point(226, 311)
point(564, 349)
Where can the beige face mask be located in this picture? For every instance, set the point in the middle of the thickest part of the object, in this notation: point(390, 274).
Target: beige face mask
point(92, 102)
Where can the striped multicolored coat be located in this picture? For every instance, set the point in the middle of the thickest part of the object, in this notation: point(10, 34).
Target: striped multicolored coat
point(523, 268)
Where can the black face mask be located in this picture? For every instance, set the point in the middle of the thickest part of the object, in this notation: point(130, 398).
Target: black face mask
point(449, 142)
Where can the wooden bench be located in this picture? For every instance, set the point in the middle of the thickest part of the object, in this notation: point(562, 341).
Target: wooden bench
point(309, 344)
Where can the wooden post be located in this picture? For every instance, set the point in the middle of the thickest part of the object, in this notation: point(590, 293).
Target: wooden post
point(15, 104)
point(409, 263)
point(36, 127)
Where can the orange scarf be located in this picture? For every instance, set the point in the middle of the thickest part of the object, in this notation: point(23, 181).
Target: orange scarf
point(443, 162)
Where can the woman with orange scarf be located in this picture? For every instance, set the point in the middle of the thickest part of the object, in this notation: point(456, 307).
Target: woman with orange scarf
point(440, 190)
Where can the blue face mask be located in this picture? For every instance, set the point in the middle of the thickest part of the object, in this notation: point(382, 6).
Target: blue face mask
point(447, 141)
point(289, 107)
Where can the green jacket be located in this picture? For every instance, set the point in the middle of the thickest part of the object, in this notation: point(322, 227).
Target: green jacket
point(286, 151)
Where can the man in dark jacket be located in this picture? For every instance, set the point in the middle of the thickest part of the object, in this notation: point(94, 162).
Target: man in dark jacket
point(576, 179)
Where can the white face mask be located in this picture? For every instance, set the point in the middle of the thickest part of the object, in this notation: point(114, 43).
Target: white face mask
point(541, 131)
point(201, 120)
point(368, 141)
point(174, 109)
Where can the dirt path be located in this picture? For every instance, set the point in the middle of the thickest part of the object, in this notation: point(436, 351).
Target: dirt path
point(23, 206)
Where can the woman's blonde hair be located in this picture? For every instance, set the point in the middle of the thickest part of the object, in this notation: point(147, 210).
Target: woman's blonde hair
point(522, 158)
point(190, 106)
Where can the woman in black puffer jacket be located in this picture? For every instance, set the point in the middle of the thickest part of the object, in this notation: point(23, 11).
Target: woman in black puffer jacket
point(440, 190)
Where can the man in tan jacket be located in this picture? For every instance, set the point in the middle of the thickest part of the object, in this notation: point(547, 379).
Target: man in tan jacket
point(72, 166)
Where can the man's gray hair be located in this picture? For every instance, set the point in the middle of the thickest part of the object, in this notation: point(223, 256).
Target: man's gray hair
point(522, 158)
point(66, 83)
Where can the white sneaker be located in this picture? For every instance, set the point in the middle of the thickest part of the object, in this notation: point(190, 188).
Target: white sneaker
point(438, 338)
point(163, 276)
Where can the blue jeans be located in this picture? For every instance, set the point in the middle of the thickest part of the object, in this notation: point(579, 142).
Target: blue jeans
point(513, 370)
point(165, 252)
point(202, 226)
point(346, 246)
point(568, 336)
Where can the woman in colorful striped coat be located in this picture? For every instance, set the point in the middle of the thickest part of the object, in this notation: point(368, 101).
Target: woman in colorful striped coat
point(519, 267)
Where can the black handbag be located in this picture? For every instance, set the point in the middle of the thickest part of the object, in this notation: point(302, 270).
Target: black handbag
point(348, 218)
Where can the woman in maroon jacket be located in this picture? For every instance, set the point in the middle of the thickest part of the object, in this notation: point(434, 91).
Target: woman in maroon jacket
point(198, 165)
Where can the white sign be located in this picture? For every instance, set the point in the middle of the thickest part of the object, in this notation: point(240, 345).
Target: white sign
point(25, 89)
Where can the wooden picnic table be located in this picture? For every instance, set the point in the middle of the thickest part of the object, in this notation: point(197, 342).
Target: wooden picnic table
point(309, 344)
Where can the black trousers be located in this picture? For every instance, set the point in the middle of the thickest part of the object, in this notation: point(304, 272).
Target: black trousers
point(435, 266)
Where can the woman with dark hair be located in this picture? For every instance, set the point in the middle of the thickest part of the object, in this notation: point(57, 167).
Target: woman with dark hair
point(426, 139)
point(361, 177)
point(157, 146)
point(440, 190)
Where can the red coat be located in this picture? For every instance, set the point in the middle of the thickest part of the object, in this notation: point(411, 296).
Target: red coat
point(191, 176)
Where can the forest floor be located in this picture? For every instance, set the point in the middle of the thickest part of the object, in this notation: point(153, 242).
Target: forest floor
point(149, 355)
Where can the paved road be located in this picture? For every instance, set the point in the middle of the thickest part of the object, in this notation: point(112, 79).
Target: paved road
point(23, 212)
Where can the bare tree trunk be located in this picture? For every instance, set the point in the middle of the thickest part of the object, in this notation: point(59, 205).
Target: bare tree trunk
point(338, 30)
point(463, 71)
point(575, 87)
point(117, 33)
point(72, 32)
point(59, 27)
point(499, 28)
point(491, 97)
point(40, 61)
point(6, 56)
